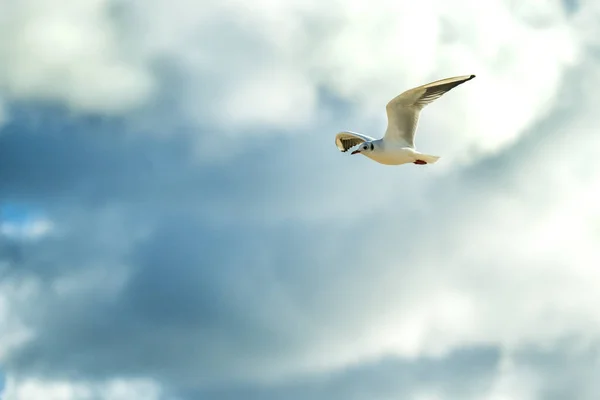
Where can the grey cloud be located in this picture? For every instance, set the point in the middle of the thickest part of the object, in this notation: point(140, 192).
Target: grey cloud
point(198, 296)
point(568, 371)
point(465, 373)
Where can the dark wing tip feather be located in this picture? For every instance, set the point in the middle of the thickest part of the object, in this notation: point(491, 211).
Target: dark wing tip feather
point(346, 143)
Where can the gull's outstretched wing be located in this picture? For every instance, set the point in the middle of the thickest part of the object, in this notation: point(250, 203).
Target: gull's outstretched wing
point(403, 110)
point(346, 140)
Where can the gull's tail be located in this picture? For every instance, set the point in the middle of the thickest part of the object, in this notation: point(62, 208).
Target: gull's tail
point(429, 159)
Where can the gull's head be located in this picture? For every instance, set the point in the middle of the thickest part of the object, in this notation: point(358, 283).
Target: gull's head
point(364, 148)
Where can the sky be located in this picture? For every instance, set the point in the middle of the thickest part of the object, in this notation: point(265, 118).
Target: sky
point(176, 222)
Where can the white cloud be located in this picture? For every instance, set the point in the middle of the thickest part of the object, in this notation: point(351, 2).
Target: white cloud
point(264, 64)
point(30, 229)
point(13, 331)
point(513, 268)
point(511, 264)
point(75, 53)
point(3, 116)
point(367, 54)
point(399, 46)
point(513, 382)
point(117, 389)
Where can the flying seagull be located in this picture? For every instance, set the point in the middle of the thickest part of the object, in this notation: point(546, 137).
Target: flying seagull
point(397, 145)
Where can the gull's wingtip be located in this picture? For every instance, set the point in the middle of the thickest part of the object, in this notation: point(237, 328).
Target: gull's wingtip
point(472, 76)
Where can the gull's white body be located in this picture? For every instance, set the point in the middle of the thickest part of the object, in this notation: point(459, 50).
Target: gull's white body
point(397, 145)
point(396, 153)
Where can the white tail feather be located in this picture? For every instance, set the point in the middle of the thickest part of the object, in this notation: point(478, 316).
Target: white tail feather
point(429, 159)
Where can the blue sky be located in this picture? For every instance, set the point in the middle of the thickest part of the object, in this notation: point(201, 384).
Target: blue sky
point(177, 223)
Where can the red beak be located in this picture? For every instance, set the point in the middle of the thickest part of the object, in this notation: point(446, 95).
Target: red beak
point(355, 152)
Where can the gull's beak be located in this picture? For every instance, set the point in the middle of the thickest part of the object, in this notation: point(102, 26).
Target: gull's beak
point(355, 152)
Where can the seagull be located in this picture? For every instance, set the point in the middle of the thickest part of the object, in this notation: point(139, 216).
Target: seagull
point(397, 145)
